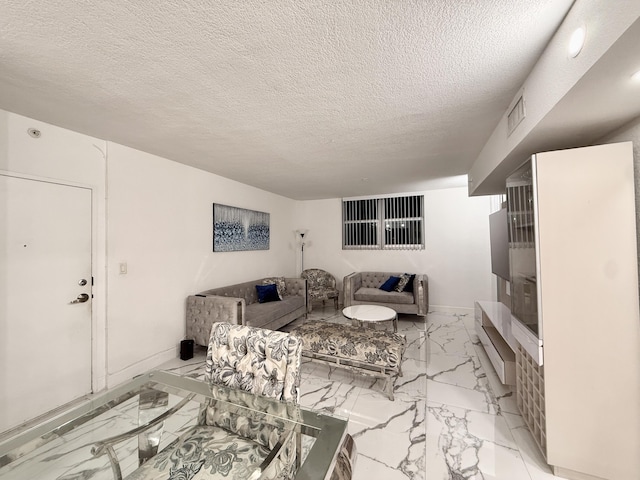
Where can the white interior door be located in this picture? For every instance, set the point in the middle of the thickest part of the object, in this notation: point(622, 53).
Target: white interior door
point(45, 257)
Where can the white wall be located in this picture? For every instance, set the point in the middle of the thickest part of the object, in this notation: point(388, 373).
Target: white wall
point(628, 133)
point(456, 257)
point(155, 215)
point(76, 159)
point(631, 133)
point(160, 217)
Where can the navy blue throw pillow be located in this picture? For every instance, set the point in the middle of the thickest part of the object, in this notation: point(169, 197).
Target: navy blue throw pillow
point(390, 284)
point(267, 293)
point(409, 286)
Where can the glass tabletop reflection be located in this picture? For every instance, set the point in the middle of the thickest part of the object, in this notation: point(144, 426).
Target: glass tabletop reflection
point(111, 435)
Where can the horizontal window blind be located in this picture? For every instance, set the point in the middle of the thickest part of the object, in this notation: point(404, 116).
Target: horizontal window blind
point(383, 223)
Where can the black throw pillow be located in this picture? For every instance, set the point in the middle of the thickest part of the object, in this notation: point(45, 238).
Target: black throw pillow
point(409, 286)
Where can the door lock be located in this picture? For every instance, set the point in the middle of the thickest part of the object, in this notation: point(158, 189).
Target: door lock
point(82, 282)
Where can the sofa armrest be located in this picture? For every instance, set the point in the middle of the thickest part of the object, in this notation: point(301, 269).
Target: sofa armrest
point(421, 293)
point(204, 310)
point(351, 284)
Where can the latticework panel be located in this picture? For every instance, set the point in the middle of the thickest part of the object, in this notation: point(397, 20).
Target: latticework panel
point(530, 396)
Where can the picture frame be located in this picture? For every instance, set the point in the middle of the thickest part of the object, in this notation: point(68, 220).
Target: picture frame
point(239, 229)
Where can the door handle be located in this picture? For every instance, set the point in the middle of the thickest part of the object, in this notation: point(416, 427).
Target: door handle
point(83, 297)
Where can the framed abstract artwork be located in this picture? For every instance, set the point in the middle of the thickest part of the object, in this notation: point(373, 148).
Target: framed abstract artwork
point(238, 229)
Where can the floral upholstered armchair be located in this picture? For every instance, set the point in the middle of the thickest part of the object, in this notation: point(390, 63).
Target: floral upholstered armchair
point(321, 285)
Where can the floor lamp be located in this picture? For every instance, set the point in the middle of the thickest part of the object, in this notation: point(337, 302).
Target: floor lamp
point(302, 233)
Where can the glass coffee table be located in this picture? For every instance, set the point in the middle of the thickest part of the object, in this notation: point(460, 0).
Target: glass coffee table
point(370, 315)
point(113, 433)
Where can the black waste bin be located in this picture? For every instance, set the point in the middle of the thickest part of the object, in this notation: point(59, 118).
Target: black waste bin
point(186, 349)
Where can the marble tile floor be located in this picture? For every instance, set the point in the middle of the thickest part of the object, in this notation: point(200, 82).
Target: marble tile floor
point(452, 419)
point(68, 457)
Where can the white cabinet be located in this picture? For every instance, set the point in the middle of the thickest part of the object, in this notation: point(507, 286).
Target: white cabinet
point(582, 404)
point(529, 342)
point(493, 327)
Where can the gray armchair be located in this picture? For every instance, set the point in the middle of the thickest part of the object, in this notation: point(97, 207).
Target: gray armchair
point(321, 285)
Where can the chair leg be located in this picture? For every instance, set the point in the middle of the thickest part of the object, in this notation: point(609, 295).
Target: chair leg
point(151, 404)
point(115, 463)
point(298, 451)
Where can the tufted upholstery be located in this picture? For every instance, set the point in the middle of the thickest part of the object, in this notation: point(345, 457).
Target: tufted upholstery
point(260, 361)
point(225, 445)
point(363, 288)
point(238, 304)
point(375, 279)
point(321, 285)
point(202, 313)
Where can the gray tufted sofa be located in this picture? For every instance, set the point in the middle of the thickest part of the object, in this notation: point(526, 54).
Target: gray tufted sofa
point(238, 304)
point(363, 288)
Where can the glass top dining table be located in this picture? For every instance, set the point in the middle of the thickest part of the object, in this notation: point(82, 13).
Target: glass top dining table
point(137, 420)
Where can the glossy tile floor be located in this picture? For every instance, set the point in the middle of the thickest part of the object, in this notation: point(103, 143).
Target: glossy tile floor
point(451, 418)
point(69, 457)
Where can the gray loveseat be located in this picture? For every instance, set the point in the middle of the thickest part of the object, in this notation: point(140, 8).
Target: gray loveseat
point(363, 288)
point(238, 304)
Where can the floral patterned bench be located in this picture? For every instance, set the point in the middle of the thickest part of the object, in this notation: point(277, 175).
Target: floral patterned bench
point(365, 351)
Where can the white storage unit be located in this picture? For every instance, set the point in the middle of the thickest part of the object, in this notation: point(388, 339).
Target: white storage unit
point(529, 342)
point(582, 404)
point(493, 327)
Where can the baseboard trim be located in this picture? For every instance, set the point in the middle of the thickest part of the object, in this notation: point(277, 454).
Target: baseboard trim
point(572, 474)
point(140, 367)
point(449, 309)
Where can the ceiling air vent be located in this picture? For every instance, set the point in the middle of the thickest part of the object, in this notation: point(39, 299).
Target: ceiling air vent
point(516, 114)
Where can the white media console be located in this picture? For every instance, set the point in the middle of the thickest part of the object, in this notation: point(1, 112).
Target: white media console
point(493, 327)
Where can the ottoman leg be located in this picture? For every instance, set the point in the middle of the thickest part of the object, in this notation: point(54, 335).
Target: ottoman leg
point(389, 388)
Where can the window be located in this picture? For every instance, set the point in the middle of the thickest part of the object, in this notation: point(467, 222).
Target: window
point(386, 223)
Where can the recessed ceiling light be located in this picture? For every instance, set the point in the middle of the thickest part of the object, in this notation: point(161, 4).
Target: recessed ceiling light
point(577, 41)
point(636, 76)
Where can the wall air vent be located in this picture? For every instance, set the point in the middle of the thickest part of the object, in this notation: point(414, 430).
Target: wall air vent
point(516, 114)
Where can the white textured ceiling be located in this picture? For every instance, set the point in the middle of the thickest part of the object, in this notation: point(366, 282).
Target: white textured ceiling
point(307, 99)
